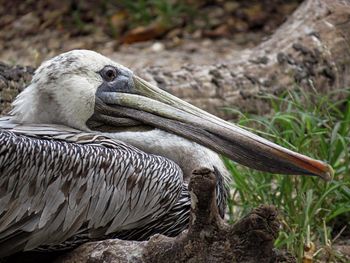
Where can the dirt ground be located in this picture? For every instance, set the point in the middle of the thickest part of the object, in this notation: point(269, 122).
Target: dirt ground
point(32, 50)
point(32, 31)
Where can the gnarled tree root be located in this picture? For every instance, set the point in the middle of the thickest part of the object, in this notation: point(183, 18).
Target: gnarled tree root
point(208, 239)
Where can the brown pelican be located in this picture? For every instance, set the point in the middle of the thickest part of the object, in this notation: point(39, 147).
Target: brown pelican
point(92, 151)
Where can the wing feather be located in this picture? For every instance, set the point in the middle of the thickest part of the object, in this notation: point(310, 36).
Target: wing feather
point(57, 182)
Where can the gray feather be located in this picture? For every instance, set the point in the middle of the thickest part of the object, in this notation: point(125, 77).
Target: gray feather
point(58, 183)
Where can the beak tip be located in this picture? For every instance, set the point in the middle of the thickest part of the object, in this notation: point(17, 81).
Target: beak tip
point(328, 173)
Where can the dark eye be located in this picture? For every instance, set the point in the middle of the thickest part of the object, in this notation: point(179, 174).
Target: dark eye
point(109, 73)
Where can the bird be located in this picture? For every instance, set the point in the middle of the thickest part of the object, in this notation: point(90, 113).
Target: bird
point(91, 151)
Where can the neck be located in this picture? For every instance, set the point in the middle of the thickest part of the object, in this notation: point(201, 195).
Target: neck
point(187, 154)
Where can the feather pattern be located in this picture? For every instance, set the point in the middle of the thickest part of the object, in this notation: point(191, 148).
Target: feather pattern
point(57, 183)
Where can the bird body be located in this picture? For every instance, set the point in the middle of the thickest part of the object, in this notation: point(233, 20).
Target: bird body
point(70, 186)
point(92, 151)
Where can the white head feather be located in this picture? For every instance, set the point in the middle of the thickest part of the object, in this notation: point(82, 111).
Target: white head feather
point(63, 90)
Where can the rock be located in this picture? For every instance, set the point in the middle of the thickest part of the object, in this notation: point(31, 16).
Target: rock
point(157, 47)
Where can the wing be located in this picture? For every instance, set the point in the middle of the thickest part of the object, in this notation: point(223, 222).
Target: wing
point(51, 190)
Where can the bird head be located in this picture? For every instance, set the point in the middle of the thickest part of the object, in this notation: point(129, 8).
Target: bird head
point(63, 89)
point(85, 90)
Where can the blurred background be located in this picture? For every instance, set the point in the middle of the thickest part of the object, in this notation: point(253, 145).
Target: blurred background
point(137, 33)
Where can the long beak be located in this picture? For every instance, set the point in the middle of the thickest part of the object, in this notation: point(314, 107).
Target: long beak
point(152, 106)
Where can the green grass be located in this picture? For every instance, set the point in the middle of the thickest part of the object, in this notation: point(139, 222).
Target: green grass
point(144, 12)
point(320, 128)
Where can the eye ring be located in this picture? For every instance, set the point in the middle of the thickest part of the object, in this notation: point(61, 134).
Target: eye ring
point(109, 73)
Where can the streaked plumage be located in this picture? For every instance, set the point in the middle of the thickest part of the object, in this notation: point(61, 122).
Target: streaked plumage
point(70, 186)
point(93, 152)
point(112, 178)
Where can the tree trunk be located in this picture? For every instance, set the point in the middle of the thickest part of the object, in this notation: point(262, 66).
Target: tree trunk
point(310, 49)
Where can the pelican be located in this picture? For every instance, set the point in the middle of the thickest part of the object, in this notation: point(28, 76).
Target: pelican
point(91, 151)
